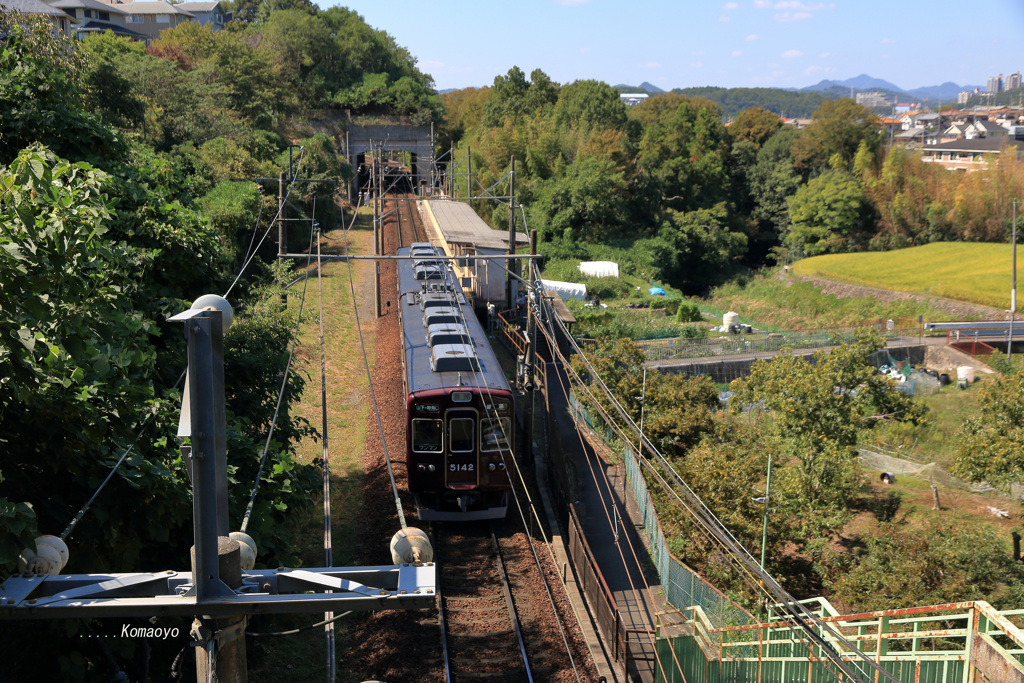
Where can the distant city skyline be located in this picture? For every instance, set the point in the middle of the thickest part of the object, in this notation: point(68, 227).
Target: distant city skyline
point(749, 43)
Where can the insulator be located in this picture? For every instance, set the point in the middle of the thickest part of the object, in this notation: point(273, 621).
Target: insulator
point(57, 544)
point(45, 560)
point(411, 546)
point(218, 302)
point(247, 549)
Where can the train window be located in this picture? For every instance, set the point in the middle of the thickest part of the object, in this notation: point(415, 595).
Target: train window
point(460, 435)
point(427, 436)
point(462, 396)
point(494, 433)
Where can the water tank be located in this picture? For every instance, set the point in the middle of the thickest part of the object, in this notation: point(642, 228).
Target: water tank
point(730, 318)
point(965, 372)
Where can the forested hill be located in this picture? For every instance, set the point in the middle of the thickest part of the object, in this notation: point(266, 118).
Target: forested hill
point(794, 104)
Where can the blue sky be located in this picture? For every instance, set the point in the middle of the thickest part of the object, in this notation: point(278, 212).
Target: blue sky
point(743, 43)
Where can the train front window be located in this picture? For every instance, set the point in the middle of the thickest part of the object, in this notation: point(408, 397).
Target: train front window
point(460, 435)
point(494, 433)
point(427, 436)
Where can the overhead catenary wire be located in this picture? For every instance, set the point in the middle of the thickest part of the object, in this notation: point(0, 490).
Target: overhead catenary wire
point(802, 617)
point(540, 304)
point(277, 217)
point(449, 278)
point(328, 545)
point(369, 376)
point(280, 396)
point(85, 508)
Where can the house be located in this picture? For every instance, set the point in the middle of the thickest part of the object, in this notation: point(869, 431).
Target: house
point(61, 22)
point(984, 129)
point(95, 17)
point(966, 155)
point(915, 137)
point(151, 17)
point(207, 13)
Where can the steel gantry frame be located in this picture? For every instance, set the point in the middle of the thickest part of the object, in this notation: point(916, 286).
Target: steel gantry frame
point(203, 592)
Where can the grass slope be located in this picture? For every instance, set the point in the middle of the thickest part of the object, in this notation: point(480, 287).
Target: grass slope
point(967, 271)
point(774, 304)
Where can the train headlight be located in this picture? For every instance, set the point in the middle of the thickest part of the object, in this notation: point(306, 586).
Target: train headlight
point(501, 466)
point(431, 468)
point(491, 467)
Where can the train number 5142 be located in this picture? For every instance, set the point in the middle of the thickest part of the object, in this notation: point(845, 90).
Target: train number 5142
point(460, 468)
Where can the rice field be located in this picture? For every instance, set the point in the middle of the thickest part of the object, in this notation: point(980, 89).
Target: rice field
point(967, 271)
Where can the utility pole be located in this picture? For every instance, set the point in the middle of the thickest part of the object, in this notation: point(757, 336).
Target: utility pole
point(767, 493)
point(531, 353)
point(1013, 286)
point(513, 265)
point(376, 234)
point(469, 176)
point(282, 229)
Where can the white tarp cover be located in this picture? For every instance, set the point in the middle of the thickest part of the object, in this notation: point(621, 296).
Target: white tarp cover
point(599, 268)
point(566, 290)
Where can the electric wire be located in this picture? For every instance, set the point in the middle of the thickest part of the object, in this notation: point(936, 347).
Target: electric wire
point(302, 629)
point(280, 395)
point(369, 377)
point(718, 532)
point(452, 284)
point(328, 546)
point(277, 217)
point(85, 508)
point(629, 541)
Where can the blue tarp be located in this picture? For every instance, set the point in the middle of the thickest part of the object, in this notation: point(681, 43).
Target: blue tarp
point(656, 291)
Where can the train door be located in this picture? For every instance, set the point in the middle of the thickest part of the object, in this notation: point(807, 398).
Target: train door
point(461, 468)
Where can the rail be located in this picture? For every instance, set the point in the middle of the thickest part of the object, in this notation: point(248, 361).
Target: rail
point(936, 643)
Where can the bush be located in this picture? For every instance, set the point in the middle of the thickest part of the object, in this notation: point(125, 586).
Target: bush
point(671, 306)
point(688, 312)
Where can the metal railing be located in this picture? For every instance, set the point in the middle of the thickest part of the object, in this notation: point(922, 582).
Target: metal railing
point(936, 643)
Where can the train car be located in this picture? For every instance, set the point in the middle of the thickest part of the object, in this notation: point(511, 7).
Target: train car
point(459, 409)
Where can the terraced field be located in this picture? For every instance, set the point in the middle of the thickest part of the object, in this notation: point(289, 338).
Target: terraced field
point(967, 271)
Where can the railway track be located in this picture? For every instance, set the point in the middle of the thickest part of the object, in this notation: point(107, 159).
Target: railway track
point(480, 630)
point(401, 227)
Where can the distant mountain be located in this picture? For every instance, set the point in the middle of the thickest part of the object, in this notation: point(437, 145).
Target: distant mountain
point(643, 87)
point(946, 91)
point(862, 82)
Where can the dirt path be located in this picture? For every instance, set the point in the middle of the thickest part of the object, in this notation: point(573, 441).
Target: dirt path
point(955, 309)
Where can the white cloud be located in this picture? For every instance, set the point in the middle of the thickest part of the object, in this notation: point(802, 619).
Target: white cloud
point(731, 6)
point(824, 55)
point(787, 11)
point(751, 38)
point(888, 41)
point(737, 53)
point(792, 54)
point(811, 70)
point(697, 64)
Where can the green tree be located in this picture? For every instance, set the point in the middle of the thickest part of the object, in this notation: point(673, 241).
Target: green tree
point(828, 215)
point(43, 90)
point(818, 411)
point(837, 127)
point(941, 563)
point(704, 246)
point(756, 125)
point(990, 445)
